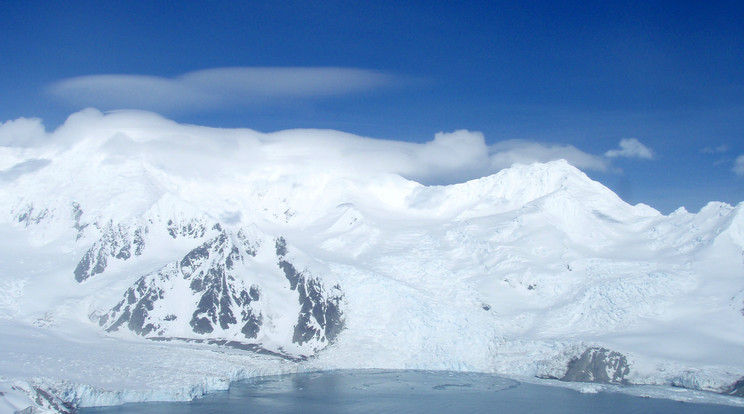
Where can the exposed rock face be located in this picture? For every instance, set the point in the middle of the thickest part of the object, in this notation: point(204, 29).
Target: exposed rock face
point(737, 388)
point(213, 287)
point(192, 229)
point(30, 215)
point(119, 241)
point(134, 310)
point(122, 241)
point(43, 400)
point(221, 296)
point(77, 215)
point(320, 314)
point(598, 365)
point(217, 294)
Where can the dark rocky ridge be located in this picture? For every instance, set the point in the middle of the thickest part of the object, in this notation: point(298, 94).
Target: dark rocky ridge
point(737, 388)
point(225, 296)
point(77, 215)
point(191, 229)
point(320, 316)
point(596, 365)
point(117, 242)
point(30, 215)
point(209, 271)
point(134, 310)
point(45, 400)
point(122, 241)
point(215, 284)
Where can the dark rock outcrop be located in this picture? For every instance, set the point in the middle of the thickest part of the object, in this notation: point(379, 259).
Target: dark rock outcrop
point(43, 400)
point(30, 215)
point(119, 242)
point(209, 271)
point(599, 365)
point(77, 215)
point(192, 229)
point(224, 298)
point(123, 241)
point(320, 314)
point(134, 310)
point(737, 388)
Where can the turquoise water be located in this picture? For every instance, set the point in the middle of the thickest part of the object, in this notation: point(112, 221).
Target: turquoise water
point(408, 392)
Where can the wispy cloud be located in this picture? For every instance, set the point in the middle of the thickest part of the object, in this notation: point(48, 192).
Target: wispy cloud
point(217, 88)
point(506, 153)
point(739, 166)
point(631, 148)
point(715, 150)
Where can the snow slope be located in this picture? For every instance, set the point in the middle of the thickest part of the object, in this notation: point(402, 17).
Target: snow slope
point(243, 254)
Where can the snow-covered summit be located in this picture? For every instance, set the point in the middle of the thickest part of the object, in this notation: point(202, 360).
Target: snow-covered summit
point(124, 162)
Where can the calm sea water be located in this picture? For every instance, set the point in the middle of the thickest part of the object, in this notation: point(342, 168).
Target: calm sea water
point(408, 392)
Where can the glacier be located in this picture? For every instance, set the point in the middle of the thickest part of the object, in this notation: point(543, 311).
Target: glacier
point(144, 260)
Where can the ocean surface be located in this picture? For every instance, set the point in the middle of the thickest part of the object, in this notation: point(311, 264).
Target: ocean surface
point(382, 391)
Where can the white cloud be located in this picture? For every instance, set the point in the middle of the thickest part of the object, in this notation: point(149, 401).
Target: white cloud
point(22, 132)
point(506, 153)
point(450, 157)
point(216, 88)
point(739, 166)
point(715, 150)
point(631, 148)
point(200, 152)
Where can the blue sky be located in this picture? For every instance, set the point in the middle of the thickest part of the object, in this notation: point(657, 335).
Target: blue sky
point(651, 93)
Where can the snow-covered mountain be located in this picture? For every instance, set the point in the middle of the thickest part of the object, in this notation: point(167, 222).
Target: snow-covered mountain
point(126, 227)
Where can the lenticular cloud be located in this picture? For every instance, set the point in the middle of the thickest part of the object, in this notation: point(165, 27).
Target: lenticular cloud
point(217, 87)
point(188, 150)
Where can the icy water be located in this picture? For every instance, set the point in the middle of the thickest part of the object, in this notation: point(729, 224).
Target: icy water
point(409, 392)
